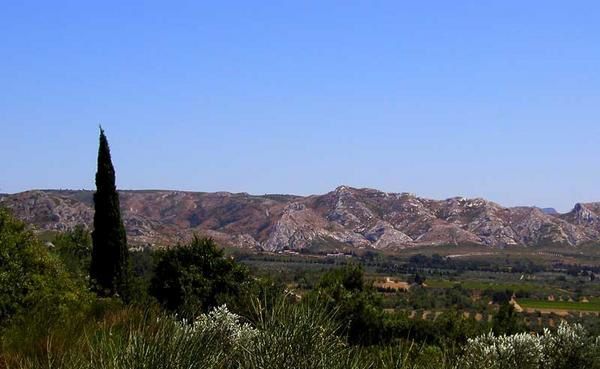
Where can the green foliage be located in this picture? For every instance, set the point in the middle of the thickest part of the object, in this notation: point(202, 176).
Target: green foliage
point(265, 290)
point(342, 280)
point(357, 306)
point(37, 294)
point(448, 329)
point(284, 335)
point(196, 277)
point(30, 276)
point(74, 248)
point(109, 269)
point(499, 297)
point(418, 279)
point(142, 270)
point(22, 262)
point(507, 321)
point(48, 329)
point(288, 335)
point(142, 264)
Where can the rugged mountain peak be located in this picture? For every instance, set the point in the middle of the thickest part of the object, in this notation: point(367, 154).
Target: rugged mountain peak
point(584, 214)
point(343, 189)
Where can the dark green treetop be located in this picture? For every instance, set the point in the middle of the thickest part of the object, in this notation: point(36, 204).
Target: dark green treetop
point(109, 268)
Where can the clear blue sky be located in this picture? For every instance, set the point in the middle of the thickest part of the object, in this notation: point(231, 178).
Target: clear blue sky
point(499, 99)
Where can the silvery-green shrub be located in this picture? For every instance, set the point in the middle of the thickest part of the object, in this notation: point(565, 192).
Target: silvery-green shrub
point(569, 347)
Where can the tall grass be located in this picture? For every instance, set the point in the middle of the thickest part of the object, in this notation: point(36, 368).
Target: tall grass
point(300, 336)
point(284, 335)
point(164, 344)
point(408, 355)
point(133, 340)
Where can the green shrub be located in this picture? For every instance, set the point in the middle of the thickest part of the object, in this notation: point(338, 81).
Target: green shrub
point(357, 307)
point(74, 248)
point(570, 346)
point(196, 277)
point(32, 278)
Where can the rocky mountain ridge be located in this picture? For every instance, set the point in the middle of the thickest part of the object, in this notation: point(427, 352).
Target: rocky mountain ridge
point(362, 218)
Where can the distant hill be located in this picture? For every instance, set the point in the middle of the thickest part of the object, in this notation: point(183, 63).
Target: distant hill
point(360, 218)
point(550, 211)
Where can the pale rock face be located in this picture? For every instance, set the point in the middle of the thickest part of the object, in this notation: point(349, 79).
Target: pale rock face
point(582, 214)
point(444, 233)
point(383, 235)
point(296, 228)
point(362, 218)
point(348, 211)
point(43, 209)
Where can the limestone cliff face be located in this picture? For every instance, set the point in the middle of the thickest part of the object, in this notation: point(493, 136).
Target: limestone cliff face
point(361, 218)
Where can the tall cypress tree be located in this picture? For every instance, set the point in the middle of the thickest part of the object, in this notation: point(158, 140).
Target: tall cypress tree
point(109, 269)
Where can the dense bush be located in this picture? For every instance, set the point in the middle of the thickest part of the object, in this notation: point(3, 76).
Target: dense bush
point(74, 247)
point(197, 277)
point(356, 305)
point(39, 297)
point(569, 347)
point(507, 320)
point(31, 277)
point(449, 329)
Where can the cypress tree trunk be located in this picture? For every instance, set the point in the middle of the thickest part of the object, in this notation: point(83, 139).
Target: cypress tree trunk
point(109, 269)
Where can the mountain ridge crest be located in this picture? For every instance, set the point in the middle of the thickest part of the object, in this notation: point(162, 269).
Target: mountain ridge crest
point(354, 217)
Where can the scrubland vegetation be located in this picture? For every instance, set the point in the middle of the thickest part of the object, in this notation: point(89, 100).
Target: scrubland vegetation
point(194, 307)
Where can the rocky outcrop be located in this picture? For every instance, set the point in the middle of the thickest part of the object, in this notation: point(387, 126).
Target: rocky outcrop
point(361, 218)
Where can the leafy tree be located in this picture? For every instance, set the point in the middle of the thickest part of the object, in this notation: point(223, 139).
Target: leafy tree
point(75, 250)
point(419, 279)
point(30, 276)
point(349, 278)
point(196, 277)
point(19, 261)
point(507, 320)
point(499, 297)
point(449, 328)
point(109, 268)
point(457, 297)
point(356, 304)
